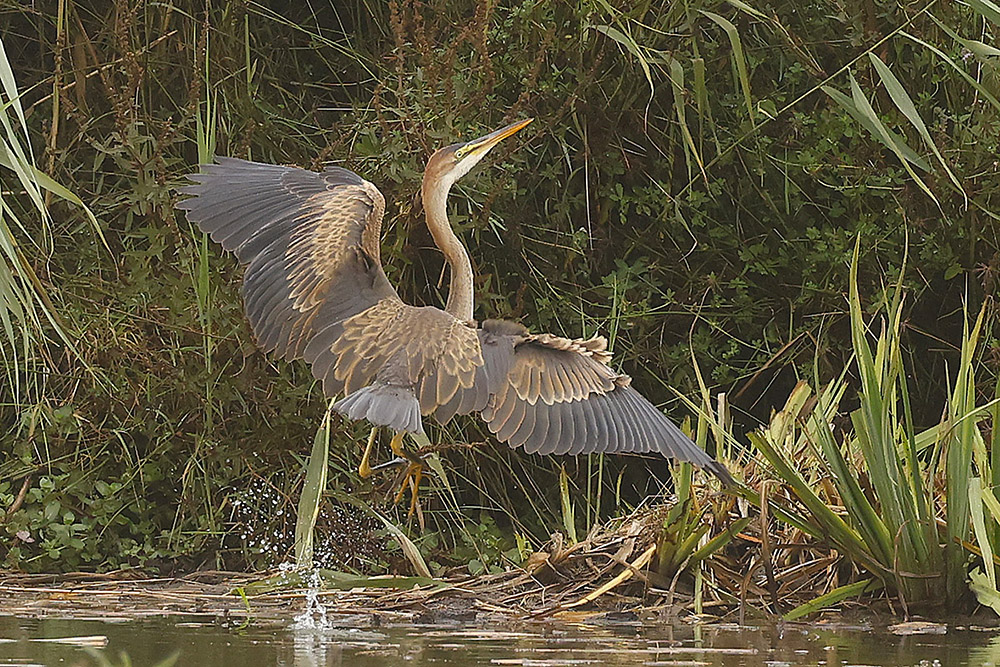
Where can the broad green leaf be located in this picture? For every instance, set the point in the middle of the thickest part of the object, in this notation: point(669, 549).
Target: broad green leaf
point(984, 52)
point(987, 8)
point(10, 89)
point(632, 47)
point(961, 72)
point(744, 7)
point(46, 182)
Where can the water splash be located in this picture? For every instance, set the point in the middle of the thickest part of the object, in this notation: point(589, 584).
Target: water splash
point(314, 616)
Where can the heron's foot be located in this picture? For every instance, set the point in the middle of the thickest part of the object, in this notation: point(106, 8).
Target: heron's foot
point(411, 478)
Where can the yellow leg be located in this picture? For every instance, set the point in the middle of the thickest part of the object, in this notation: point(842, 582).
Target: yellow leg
point(365, 469)
point(413, 474)
point(397, 446)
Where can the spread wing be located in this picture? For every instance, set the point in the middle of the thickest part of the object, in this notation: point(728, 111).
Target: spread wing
point(553, 395)
point(314, 287)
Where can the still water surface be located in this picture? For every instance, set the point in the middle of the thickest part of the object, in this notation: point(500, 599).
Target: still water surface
point(150, 640)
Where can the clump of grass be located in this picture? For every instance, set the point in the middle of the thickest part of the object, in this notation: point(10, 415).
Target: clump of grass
point(893, 500)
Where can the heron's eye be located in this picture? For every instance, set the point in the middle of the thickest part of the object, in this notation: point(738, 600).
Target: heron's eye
point(460, 153)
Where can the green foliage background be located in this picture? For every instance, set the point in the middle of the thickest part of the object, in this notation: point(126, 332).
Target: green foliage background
point(688, 188)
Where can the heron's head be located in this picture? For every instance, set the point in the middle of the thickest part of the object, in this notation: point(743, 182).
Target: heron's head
point(453, 162)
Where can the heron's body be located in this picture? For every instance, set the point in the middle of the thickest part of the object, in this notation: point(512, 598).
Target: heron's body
point(314, 288)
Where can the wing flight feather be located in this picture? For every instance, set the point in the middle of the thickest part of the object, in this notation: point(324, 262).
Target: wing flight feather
point(314, 287)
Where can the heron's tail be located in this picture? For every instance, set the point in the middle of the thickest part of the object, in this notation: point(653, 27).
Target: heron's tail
point(384, 405)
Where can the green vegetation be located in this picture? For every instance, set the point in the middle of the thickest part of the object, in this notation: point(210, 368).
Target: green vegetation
point(693, 186)
point(891, 480)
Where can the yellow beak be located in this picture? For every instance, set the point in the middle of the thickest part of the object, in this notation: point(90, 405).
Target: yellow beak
point(485, 143)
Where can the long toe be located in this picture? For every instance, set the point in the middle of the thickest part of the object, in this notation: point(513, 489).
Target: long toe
point(411, 478)
point(418, 475)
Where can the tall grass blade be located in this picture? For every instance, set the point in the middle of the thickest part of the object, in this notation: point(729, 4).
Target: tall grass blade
point(905, 104)
point(958, 470)
point(312, 493)
point(566, 502)
point(894, 139)
point(886, 444)
point(888, 138)
point(703, 106)
point(869, 524)
point(632, 47)
point(833, 597)
point(410, 550)
point(205, 129)
point(741, 65)
point(47, 183)
point(744, 7)
point(691, 150)
point(829, 524)
point(13, 95)
point(976, 495)
point(980, 88)
point(24, 301)
point(988, 9)
point(989, 504)
point(994, 413)
point(982, 51)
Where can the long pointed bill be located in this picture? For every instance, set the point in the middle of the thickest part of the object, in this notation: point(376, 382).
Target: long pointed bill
point(485, 143)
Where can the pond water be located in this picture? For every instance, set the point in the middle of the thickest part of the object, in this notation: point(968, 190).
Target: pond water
point(146, 642)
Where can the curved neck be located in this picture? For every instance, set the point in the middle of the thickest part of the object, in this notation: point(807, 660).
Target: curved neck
point(460, 294)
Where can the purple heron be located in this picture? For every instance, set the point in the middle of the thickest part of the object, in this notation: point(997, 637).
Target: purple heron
point(314, 288)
